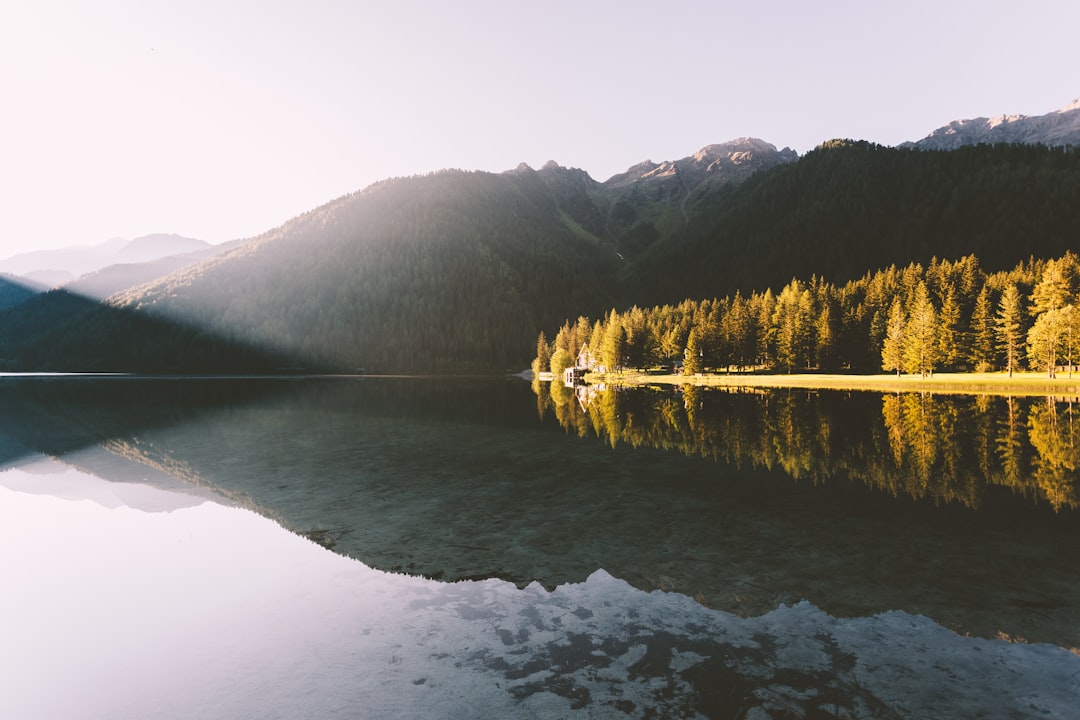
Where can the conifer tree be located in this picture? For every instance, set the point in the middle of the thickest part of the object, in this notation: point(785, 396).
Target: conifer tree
point(892, 351)
point(921, 336)
point(1008, 327)
point(693, 355)
point(613, 344)
point(981, 352)
point(949, 333)
point(1056, 287)
point(793, 322)
point(543, 353)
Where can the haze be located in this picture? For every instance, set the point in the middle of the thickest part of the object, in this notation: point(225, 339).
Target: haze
point(219, 121)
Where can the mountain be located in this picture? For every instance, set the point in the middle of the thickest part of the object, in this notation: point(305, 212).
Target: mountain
point(159, 245)
point(850, 207)
point(451, 271)
point(653, 200)
point(64, 264)
point(459, 271)
point(112, 279)
point(712, 166)
point(16, 290)
point(1060, 127)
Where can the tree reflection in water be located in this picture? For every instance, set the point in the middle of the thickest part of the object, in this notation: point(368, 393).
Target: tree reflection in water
point(945, 448)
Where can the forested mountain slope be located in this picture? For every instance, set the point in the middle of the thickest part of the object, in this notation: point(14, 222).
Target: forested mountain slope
point(459, 271)
point(15, 290)
point(452, 271)
point(847, 208)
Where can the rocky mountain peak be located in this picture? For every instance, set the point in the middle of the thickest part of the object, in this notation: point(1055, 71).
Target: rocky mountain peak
point(731, 161)
point(1059, 127)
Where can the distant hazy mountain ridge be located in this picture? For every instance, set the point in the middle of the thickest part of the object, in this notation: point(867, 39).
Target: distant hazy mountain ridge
point(1060, 127)
point(64, 264)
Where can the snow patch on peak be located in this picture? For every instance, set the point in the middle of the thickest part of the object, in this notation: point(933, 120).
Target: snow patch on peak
point(1074, 105)
point(1005, 119)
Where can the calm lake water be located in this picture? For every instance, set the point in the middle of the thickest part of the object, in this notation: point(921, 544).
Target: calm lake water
point(392, 547)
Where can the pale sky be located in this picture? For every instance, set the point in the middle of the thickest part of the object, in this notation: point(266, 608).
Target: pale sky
point(221, 119)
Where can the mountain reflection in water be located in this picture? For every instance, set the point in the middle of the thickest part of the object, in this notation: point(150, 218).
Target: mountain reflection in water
point(457, 479)
point(189, 609)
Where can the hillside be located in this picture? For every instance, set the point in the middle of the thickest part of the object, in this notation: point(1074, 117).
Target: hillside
point(112, 279)
point(15, 290)
point(452, 271)
point(459, 271)
point(848, 208)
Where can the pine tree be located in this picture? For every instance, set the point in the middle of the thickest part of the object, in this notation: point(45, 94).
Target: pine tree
point(793, 321)
point(982, 333)
point(1008, 327)
point(892, 351)
point(543, 353)
point(612, 347)
point(949, 332)
point(1056, 287)
point(693, 354)
point(921, 338)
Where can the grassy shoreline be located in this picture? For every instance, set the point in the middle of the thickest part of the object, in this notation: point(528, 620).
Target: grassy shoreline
point(999, 383)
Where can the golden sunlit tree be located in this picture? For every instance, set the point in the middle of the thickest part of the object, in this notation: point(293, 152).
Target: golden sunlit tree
point(1008, 327)
point(892, 351)
point(921, 336)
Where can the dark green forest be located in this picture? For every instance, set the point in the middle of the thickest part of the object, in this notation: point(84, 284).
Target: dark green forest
point(848, 208)
point(459, 271)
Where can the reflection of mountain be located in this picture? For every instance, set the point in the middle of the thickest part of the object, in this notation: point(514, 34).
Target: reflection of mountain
point(951, 449)
point(112, 483)
point(456, 480)
point(243, 620)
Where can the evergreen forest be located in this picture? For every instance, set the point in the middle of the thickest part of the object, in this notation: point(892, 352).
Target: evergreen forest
point(945, 316)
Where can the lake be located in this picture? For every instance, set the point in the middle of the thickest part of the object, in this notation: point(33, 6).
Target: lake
point(434, 547)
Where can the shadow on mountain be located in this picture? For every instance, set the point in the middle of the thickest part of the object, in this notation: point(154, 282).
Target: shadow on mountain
point(15, 291)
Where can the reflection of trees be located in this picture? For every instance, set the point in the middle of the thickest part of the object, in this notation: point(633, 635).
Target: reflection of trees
point(1052, 432)
point(1010, 445)
point(947, 449)
point(930, 458)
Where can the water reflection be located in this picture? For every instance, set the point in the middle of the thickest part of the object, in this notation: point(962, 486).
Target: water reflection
point(457, 480)
point(215, 612)
point(946, 448)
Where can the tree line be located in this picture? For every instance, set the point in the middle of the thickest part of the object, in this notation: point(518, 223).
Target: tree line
point(947, 316)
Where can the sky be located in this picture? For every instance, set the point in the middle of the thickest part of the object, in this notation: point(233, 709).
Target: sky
point(222, 119)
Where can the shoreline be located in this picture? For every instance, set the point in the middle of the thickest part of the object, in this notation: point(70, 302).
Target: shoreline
point(994, 383)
